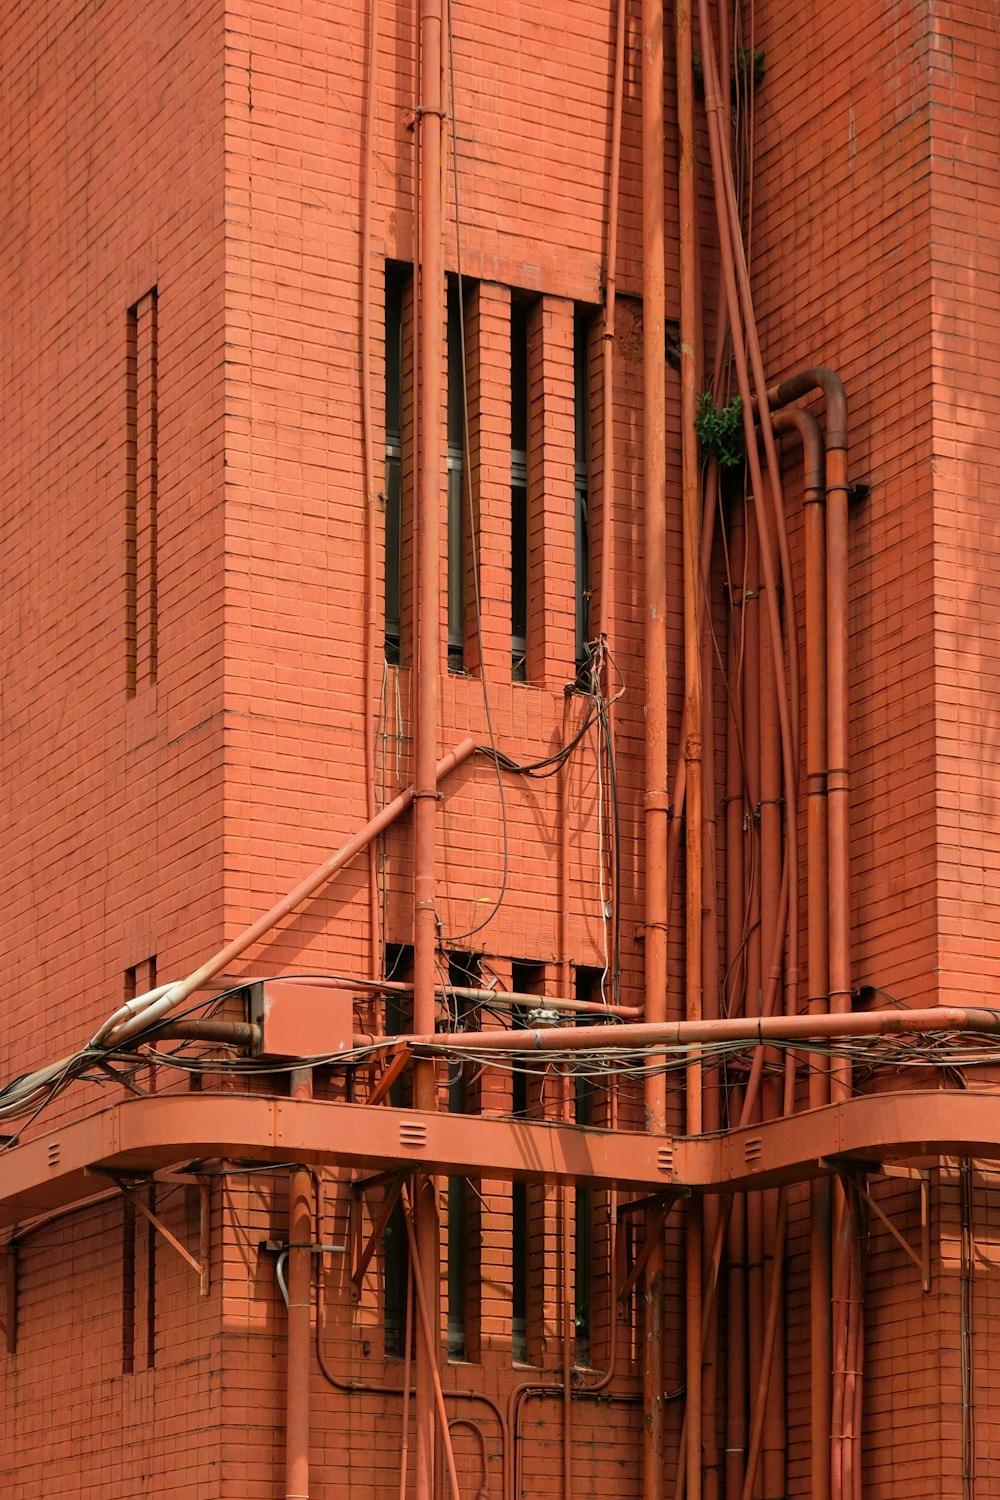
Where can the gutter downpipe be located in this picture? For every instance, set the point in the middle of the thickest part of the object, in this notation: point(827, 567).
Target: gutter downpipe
point(606, 576)
point(657, 795)
point(298, 1418)
point(793, 419)
point(820, 377)
point(427, 1233)
point(693, 693)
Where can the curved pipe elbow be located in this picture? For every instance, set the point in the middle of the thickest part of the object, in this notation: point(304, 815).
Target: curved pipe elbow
point(794, 419)
point(817, 377)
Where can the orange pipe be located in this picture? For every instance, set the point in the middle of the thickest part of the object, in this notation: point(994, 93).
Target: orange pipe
point(820, 377)
point(792, 419)
point(426, 1229)
point(128, 1021)
point(693, 865)
point(298, 1423)
point(431, 1341)
point(656, 814)
point(371, 537)
point(606, 583)
point(754, 1030)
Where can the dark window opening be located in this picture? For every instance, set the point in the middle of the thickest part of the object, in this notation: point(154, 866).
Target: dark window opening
point(581, 409)
point(395, 1243)
point(519, 490)
point(527, 979)
point(463, 973)
point(141, 493)
point(456, 480)
point(585, 1112)
point(394, 286)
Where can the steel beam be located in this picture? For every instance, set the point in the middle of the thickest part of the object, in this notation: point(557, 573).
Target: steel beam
point(71, 1164)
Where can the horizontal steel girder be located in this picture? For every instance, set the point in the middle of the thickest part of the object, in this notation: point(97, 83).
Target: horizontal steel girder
point(139, 1136)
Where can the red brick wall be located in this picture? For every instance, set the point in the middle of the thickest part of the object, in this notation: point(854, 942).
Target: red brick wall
point(216, 153)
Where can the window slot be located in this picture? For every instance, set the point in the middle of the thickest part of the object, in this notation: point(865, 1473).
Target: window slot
point(457, 527)
point(581, 418)
point(463, 1205)
point(141, 493)
point(395, 1243)
point(527, 1279)
point(519, 490)
point(394, 288)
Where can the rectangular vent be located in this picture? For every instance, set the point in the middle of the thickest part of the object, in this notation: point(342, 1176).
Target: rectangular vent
point(665, 1159)
point(413, 1135)
point(53, 1153)
point(751, 1151)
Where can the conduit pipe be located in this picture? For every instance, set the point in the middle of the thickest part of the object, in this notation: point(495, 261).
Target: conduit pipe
point(690, 510)
point(820, 377)
point(606, 577)
point(755, 1030)
point(430, 1341)
point(426, 1227)
point(137, 1014)
point(657, 810)
point(371, 530)
point(298, 1423)
point(793, 419)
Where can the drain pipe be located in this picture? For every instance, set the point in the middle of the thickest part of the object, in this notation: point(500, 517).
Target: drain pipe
point(657, 796)
point(793, 419)
point(691, 505)
point(298, 1423)
point(428, 622)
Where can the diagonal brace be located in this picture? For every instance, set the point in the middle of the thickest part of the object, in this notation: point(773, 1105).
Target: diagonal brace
point(653, 1231)
point(199, 1267)
point(364, 1253)
point(921, 1264)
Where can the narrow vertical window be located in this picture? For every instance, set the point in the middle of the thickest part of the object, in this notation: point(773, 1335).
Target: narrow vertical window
point(395, 1243)
point(463, 973)
point(519, 490)
point(581, 415)
point(526, 1278)
point(588, 988)
point(141, 486)
point(393, 462)
point(456, 480)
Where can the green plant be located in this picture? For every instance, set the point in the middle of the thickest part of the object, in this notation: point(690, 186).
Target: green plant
point(720, 431)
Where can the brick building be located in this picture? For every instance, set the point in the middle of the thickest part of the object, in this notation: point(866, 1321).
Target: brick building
point(349, 367)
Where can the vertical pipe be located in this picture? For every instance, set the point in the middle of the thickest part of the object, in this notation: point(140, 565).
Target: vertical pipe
point(820, 1344)
point(565, 1201)
point(371, 530)
point(772, 1447)
point(711, 1099)
point(691, 525)
point(656, 813)
point(428, 623)
point(735, 999)
point(299, 1331)
point(606, 575)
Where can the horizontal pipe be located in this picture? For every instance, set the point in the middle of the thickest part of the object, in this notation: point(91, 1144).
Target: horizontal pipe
point(736, 1029)
point(539, 1002)
point(231, 1033)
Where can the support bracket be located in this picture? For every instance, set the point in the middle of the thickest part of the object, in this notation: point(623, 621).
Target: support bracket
point(200, 1267)
point(659, 1205)
point(363, 1250)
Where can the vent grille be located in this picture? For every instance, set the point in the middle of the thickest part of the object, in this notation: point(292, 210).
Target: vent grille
point(751, 1152)
point(413, 1135)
